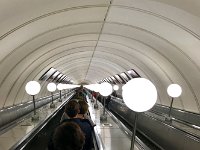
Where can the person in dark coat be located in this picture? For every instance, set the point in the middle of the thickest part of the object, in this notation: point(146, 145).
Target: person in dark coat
point(72, 109)
point(68, 136)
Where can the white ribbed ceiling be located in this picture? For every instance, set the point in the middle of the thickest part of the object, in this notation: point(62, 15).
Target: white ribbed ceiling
point(89, 40)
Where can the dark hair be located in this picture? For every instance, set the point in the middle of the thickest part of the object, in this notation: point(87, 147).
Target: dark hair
point(68, 136)
point(72, 108)
point(83, 107)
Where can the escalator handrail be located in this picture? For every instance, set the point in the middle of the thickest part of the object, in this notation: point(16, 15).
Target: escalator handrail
point(164, 114)
point(177, 120)
point(27, 138)
point(197, 138)
point(96, 136)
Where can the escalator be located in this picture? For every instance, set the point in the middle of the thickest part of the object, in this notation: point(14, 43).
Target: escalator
point(38, 138)
point(161, 132)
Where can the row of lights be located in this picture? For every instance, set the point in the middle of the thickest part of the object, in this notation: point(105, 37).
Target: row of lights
point(139, 94)
point(33, 87)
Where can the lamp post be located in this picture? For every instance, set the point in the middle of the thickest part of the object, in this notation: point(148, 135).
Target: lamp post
point(105, 90)
point(33, 88)
point(139, 95)
point(60, 87)
point(173, 90)
point(65, 87)
point(51, 87)
point(115, 88)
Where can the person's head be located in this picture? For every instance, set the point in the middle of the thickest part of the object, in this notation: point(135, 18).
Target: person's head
point(72, 108)
point(83, 107)
point(68, 136)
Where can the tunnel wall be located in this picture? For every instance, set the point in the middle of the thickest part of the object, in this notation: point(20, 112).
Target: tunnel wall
point(10, 114)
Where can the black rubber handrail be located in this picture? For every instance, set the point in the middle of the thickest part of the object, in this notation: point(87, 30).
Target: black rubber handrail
point(167, 124)
point(23, 142)
point(164, 114)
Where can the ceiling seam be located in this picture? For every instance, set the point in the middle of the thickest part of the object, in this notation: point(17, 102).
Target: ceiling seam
point(98, 38)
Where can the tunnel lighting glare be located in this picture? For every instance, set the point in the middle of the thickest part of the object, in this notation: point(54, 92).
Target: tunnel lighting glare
point(64, 86)
point(139, 94)
point(115, 87)
point(93, 87)
point(60, 86)
point(32, 87)
point(51, 87)
point(69, 86)
point(174, 90)
point(75, 85)
point(96, 87)
point(105, 89)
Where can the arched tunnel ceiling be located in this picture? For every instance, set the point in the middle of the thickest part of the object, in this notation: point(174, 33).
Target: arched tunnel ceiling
point(93, 39)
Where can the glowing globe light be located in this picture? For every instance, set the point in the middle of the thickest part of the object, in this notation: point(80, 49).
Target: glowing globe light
point(115, 87)
point(93, 87)
point(174, 90)
point(32, 87)
point(139, 94)
point(60, 86)
point(105, 89)
point(51, 87)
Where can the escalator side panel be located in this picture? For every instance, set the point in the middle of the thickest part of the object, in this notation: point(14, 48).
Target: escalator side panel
point(162, 134)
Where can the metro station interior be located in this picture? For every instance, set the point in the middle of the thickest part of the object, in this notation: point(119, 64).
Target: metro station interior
point(83, 42)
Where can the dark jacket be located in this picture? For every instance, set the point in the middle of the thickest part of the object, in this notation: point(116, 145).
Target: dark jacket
point(86, 127)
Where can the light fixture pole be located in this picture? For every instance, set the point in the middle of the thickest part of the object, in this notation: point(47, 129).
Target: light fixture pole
point(134, 131)
point(173, 90)
point(34, 108)
point(139, 95)
point(65, 86)
point(60, 87)
point(32, 88)
point(51, 87)
point(170, 109)
point(105, 90)
point(115, 88)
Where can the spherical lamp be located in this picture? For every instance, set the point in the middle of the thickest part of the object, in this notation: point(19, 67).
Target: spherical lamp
point(51, 87)
point(174, 90)
point(139, 94)
point(115, 87)
point(60, 86)
point(105, 89)
point(32, 87)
